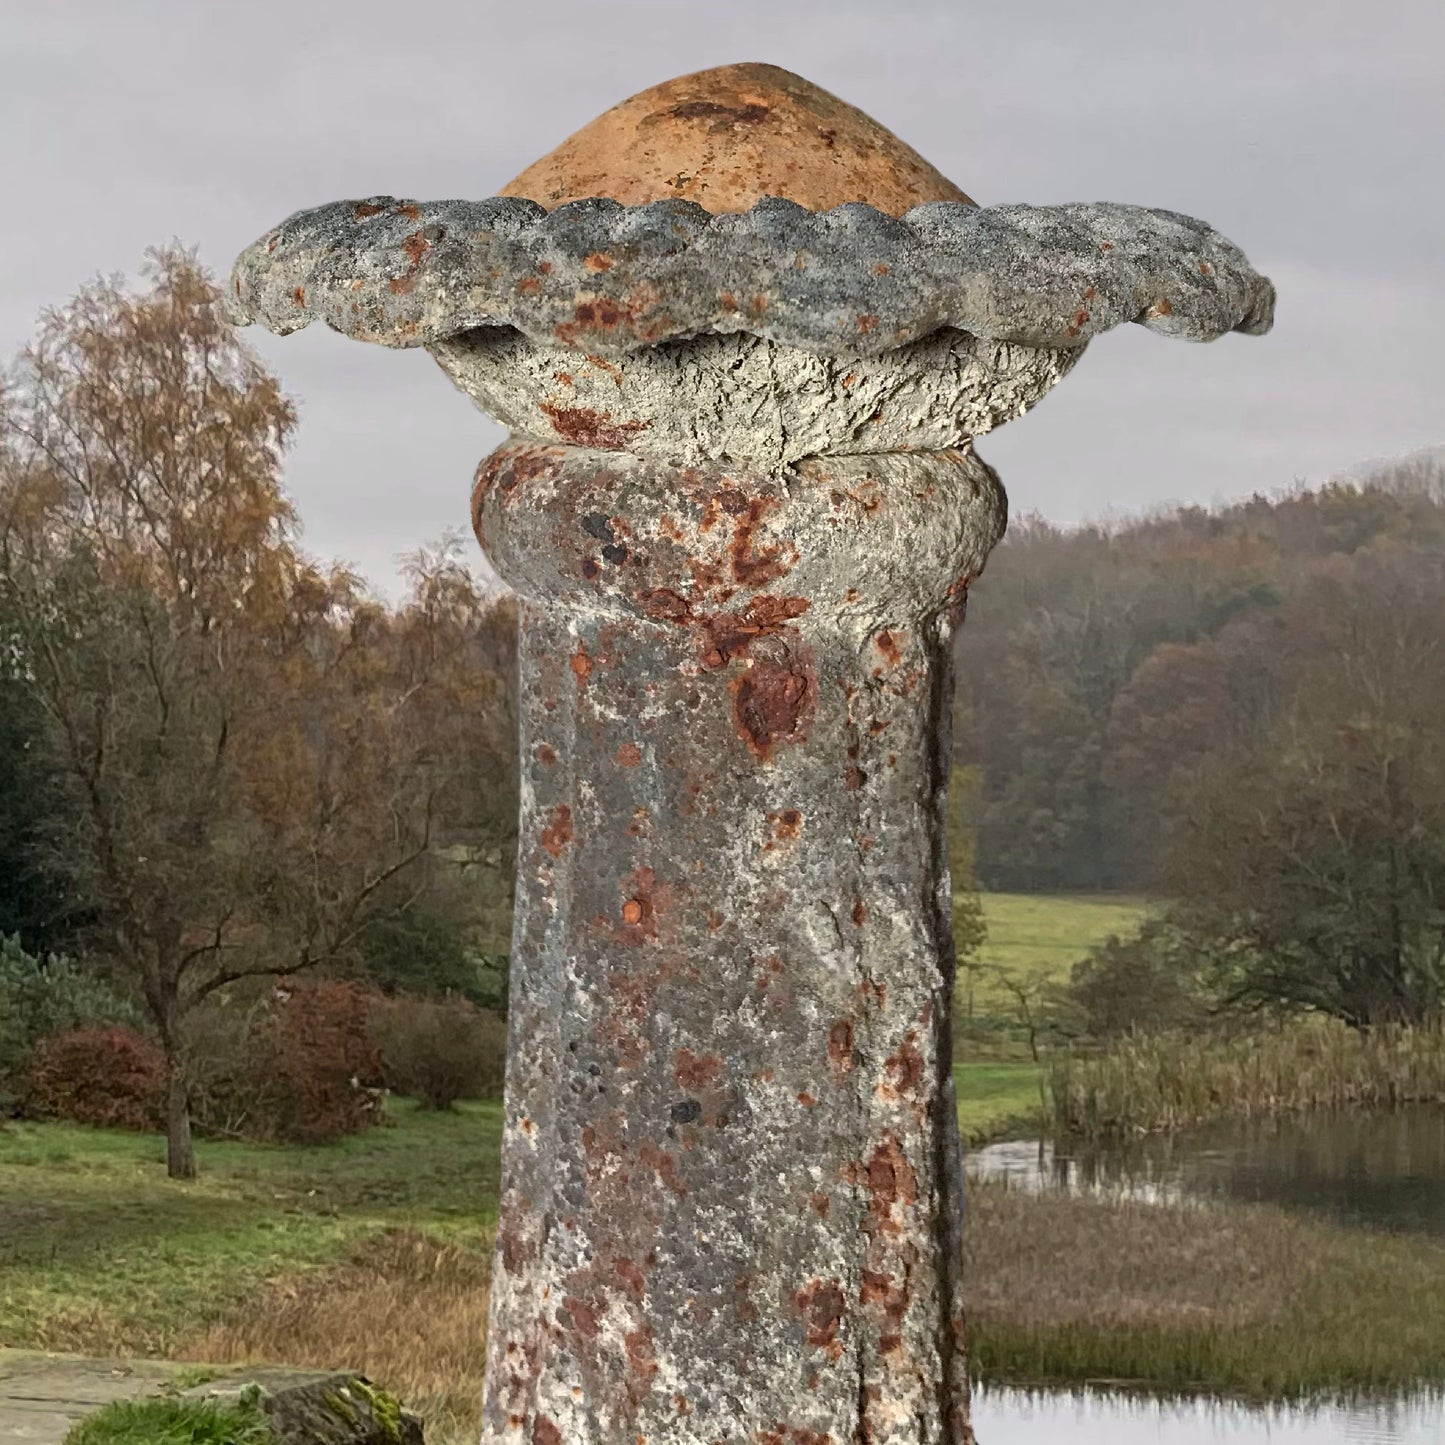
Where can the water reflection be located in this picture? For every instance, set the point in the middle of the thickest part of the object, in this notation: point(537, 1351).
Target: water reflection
point(1017, 1417)
point(1382, 1169)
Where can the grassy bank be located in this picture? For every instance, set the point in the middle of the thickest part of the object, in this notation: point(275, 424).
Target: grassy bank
point(999, 1100)
point(100, 1252)
point(374, 1255)
point(1156, 1084)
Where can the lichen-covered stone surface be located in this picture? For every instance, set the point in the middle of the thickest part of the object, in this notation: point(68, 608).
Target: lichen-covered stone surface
point(731, 1183)
point(338, 1409)
point(741, 398)
point(742, 511)
point(609, 279)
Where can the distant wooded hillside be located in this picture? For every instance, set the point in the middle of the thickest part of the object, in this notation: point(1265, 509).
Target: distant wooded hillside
point(1105, 672)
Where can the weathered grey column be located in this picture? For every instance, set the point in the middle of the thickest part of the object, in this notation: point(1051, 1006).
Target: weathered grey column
point(744, 339)
point(731, 1189)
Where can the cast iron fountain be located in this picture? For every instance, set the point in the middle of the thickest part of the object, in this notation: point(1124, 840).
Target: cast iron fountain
point(744, 339)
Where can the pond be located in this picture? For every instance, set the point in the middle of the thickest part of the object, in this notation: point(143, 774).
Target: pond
point(1381, 1169)
point(1016, 1417)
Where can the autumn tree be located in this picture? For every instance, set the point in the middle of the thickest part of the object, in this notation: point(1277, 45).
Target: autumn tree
point(252, 788)
point(1315, 859)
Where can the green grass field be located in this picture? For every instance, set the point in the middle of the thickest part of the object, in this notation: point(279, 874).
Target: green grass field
point(1036, 939)
point(997, 1100)
point(297, 1255)
point(1051, 932)
point(99, 1250)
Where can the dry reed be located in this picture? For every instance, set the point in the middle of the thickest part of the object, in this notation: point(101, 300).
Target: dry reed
point(1158, 1083)
point(1062, 1289)
point(406, 1310)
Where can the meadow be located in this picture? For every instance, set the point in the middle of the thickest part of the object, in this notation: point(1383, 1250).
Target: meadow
point(1034, 938)
point(374, 1255)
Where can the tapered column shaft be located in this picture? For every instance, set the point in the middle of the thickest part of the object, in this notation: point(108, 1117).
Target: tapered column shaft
point(731, 1186)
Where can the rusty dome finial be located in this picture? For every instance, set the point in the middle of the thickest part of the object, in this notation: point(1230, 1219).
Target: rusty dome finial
point(727, 137)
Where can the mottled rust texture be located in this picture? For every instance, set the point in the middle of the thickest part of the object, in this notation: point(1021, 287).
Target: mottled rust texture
point(731, 1188)
point(748, 337)
point(725, 138)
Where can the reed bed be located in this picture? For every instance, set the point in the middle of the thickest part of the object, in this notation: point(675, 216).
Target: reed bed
point(1248, 1302)
point(1152, 1084)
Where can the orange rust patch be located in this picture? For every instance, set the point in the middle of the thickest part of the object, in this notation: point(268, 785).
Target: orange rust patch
point(633, 910)
point(887, 645)
point(784, 827)
point(632, 1278)
point(598, 261)
point(695, 1071)
point(558, 833)
point(905, 1066)
point(638, 1344)
point(414, 248)
point(629, 755)
point(771, 704)
point(890, 1180)
point(821, 1303)
point(584, 427)
point(580, 664)
point(583, 1316)
point(752, 567)
point(664, 1166)
point(662, 604)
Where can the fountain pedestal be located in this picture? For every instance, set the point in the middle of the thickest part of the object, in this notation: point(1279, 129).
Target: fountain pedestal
point(731, 1182)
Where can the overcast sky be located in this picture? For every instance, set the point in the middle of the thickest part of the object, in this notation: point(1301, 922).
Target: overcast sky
point(1311, 133)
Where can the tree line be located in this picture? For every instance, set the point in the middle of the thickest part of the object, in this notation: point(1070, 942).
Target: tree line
point(1239, 710)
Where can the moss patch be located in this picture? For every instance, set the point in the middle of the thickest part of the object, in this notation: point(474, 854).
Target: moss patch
point(173, 1422)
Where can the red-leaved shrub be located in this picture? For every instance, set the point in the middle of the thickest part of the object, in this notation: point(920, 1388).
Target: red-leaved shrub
point(320, 1069)
point(105, 1075)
